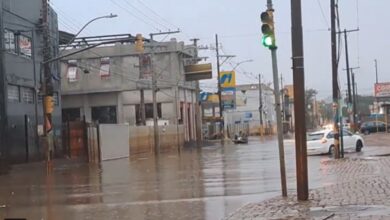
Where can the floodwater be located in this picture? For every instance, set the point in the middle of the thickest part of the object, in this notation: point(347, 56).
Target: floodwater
point(206, 183)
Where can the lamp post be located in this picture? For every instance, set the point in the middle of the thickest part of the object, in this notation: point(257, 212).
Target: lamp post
point(88, 23)
point(239, 63)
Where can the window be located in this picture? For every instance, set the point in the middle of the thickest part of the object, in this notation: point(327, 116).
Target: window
point(24, 45)
point(315, 136)
point(13, 93)
point(105, 67)
point(72, 71)
point(27, 95)
point(330, 135)
point(71, 114)
point(104, 115)
point(9, 41)
point(346, 133)
point(148, 112)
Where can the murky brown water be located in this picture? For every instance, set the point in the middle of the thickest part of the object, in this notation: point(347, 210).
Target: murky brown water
point(208, 183)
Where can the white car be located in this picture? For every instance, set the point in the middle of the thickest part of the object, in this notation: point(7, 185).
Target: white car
point(322, 142)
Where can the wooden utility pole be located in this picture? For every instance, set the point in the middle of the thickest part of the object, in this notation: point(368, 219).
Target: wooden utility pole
point(198, 118)
point(154, 90)
point(348, 69)
point(218, 78)
point(335, 85)
point(299, 100)
point(47, 84)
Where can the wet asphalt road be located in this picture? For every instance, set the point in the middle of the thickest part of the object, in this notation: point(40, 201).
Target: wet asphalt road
point(209, 183)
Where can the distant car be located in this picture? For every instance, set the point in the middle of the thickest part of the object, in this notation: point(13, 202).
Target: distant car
point(322, 142)
point(372, 127)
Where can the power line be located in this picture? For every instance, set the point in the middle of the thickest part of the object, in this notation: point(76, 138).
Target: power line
point(135, 16)
point(155, 13)
point(323, 14)
point(145, 15)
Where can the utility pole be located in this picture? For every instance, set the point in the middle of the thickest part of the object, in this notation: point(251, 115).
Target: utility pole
point(335, 86)
point(197, 106)
point(268, 30)
point(354, 89)
point(154, 90)
point(376, 71)
point(348, 71)
point(299, 100)
point(353, 98)
point(219, 84)
point(261, 106)
point(47, 85)
point(348, 74)
point(376, 98)
point(282, 94)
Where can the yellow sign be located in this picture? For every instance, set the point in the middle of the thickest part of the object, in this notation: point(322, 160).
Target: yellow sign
point(228, 79)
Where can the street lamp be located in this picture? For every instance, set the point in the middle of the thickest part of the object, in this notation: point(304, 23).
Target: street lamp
point(239, 63)
point(88, 23)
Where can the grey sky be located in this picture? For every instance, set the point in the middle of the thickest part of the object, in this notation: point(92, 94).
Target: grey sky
point(238, 25)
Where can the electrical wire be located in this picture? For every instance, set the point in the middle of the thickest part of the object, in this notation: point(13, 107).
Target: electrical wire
point(135, 16)
point(323, 14)
point(145, 15)
point(156, 14)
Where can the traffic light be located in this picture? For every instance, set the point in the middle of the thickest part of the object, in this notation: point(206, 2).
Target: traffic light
point(268, 30)
point(49, 104)
point(139, 43)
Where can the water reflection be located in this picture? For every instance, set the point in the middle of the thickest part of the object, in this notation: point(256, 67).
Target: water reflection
point(206, 183)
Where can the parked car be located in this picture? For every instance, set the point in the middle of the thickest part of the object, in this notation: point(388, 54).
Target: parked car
point(322, 142)
point(372, 126)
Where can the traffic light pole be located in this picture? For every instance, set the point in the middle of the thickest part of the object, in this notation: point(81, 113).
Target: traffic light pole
point(278, 113)
point(299, 100)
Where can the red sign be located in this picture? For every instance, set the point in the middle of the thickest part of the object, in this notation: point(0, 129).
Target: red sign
point(382, 89)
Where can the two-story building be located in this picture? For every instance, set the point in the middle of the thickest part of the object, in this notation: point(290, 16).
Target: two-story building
point(104, 84)
point(20, 79)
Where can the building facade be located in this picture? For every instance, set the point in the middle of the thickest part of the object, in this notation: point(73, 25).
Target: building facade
point(104, 84)
point(21, 115)
point(247, 107)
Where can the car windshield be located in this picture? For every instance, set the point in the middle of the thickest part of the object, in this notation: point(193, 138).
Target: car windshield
point(315, 136)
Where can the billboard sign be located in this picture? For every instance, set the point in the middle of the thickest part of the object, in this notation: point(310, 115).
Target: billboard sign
point(228, 96)
point(227, 79)
point(382, 89)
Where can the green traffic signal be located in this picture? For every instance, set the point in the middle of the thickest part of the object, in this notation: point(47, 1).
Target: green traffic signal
point(267, 29)
point(267, 41)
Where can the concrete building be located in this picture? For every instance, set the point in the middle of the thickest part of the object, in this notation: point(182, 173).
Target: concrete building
point(20, 79)
point(103, 84)
point(246, 112)
point(247, 107)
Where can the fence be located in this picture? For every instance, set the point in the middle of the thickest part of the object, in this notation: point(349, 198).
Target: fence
point(95, 142)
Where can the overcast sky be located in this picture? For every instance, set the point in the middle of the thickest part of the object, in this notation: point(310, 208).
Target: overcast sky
point(238, 25)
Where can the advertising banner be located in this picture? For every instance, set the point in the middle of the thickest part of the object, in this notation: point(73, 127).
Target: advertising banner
point(227, 79)
point(228, 96)
point(382, 89)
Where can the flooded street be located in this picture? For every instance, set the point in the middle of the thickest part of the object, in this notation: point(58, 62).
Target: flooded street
point(206, 183)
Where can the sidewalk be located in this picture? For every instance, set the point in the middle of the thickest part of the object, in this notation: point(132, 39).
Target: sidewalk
point(361, 191)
